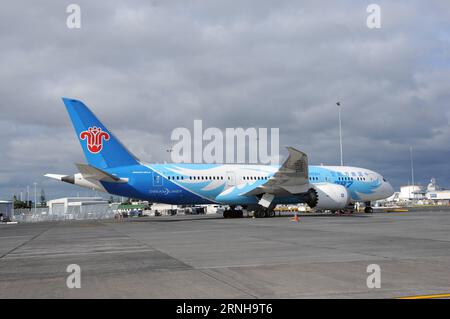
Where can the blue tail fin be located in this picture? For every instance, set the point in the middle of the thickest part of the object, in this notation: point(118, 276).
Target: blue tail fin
point(101, 148)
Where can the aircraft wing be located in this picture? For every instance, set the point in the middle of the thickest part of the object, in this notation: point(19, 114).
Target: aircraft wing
point(291, 178)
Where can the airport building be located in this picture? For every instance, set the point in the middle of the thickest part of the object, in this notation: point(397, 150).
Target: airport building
point(78, 207)
point(436, 193)
point(439, 195)
point(411, 192)
point(6, 210)
point(433, 192)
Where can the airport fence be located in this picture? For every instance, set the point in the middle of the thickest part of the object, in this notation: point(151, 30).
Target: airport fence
point(70, 213)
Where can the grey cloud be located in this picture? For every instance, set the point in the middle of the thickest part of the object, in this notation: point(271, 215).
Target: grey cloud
point(147, 67)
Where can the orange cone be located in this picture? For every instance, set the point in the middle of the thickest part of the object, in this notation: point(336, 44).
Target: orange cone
point(295, 217)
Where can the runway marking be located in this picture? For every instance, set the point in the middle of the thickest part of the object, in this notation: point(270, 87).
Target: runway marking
point(26, 242)
point(2, 237)
point(435, 296)
point(148, 245)
point(57, 255)
point(226, 282)
point(193, 231)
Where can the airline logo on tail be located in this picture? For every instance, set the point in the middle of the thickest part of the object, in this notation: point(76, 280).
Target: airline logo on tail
point(94, 136)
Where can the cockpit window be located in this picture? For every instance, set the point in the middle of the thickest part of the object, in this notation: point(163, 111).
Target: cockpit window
point(384, 179)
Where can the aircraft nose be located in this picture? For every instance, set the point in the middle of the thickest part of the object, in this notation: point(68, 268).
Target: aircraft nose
point(388, 189)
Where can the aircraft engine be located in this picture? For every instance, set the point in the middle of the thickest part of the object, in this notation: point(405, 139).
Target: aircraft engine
point(327, 196)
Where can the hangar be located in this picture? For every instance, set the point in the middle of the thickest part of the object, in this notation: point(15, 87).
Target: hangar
point(78, 207)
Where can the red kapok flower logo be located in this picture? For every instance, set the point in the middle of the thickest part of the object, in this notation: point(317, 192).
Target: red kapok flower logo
point(95, 137)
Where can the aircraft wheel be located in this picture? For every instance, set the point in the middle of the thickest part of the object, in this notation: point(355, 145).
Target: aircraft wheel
point(272, 213)
point(226, 214)
point(368, 210)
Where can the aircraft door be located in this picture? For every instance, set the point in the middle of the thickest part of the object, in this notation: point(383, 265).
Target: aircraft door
point(231, 178)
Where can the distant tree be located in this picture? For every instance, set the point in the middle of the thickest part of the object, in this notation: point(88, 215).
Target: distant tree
point(42, 198)
point(18, 203)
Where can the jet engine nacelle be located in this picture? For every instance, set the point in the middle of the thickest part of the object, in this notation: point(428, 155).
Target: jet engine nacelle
point(328, 196)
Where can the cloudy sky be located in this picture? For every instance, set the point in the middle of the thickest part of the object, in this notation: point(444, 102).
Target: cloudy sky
point(147, 67)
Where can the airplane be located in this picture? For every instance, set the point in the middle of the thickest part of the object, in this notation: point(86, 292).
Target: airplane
point(112, 168)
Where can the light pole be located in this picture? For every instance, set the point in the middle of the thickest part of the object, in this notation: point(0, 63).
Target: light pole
point(412, 169)
point(35, 197)
point(340, 131)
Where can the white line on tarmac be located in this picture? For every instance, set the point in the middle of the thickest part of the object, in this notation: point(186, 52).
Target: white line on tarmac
point(56, 255)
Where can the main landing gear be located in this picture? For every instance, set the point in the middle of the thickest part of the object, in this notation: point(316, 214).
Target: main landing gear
point(258, 212)
point(368, 209)
point(264, 212)
point(233, 213)
point(349, 210)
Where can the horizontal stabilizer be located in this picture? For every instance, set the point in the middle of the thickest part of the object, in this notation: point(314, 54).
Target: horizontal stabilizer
point(93, 173)
point(64, 178)
point(55, 176)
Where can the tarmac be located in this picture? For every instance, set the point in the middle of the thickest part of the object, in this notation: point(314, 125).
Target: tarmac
point(211, 257)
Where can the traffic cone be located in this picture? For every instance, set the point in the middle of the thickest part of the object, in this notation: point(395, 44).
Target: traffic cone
point(295, 217)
